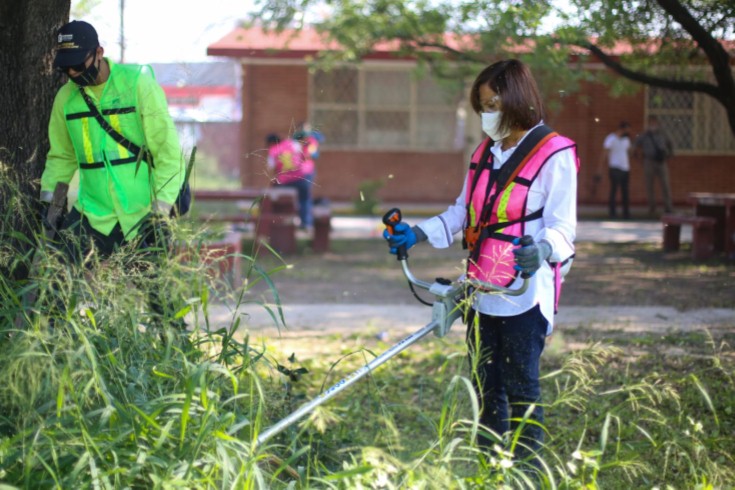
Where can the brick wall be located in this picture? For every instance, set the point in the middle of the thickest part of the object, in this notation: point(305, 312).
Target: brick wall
point(221, 139)
point(589, 116)
point(275, 100)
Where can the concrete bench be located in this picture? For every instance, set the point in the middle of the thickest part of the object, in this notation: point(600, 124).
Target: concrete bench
point(702, 234)
point(271, 210)
point(322, 228)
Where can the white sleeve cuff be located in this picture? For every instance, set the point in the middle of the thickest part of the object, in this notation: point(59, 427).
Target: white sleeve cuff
point(437, 231)
point(561, 247)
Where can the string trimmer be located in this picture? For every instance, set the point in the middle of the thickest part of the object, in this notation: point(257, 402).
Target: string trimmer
point(446, 308)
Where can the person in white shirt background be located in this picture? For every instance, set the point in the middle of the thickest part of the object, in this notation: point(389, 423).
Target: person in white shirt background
point(617, 147)
point(506, 334)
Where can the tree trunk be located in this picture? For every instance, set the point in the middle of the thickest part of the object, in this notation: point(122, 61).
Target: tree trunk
point(27, 42)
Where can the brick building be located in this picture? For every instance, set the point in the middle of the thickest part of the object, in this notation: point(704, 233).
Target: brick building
point(384, 124)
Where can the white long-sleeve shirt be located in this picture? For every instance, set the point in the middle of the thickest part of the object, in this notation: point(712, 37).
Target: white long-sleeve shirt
point(555, 189)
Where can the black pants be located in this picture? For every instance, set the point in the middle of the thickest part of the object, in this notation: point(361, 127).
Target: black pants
point(619, 179)
point(505, 354)
point(77, 238)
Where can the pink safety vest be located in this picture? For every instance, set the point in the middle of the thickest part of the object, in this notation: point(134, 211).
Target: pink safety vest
point(289, 161)
point(496, 217)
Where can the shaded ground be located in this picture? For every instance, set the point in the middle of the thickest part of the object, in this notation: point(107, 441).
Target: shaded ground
point(642, 275)
point(604, 274)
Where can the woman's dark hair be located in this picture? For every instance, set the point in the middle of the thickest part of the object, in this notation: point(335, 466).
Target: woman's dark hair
point(512, 81)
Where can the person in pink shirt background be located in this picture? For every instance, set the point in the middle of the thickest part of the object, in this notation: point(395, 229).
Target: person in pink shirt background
point(288, 165)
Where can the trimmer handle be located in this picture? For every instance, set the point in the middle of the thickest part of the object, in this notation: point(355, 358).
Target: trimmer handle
point(390, 220)
point(525, 241)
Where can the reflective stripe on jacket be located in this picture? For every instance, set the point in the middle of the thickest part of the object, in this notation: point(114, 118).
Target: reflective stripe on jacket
point(496, 217)
point(100, 157)
point(111, 189)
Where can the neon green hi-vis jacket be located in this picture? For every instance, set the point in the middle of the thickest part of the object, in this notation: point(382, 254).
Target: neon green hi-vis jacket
point(115, 186)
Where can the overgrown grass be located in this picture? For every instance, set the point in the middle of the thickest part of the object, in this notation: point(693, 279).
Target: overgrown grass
point(617, 416)
point(106, 398)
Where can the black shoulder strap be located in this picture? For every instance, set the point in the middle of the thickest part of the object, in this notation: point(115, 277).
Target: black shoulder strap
point(482, 164)
point(519, 156)
point(119, 138)
point(512, 166)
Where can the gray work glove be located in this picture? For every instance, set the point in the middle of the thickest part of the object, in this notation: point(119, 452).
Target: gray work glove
point(530, 257)
point(43, 214)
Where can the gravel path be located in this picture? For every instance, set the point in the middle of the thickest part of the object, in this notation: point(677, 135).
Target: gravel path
point(321, 318)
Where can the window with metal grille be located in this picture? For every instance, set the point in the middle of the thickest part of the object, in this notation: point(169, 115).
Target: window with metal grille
point(382, 108)
point(696, 123)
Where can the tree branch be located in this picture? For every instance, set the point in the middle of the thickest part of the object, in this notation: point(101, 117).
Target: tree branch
point(462, 55)
point(716, 54)
point(689, 86)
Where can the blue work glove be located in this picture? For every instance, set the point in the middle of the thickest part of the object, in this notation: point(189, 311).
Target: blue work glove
point(403, 235)
point(530, 257)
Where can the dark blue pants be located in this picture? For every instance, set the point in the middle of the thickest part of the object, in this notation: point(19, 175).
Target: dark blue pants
point(303, 188)
point(619, 180)
point(504, 357)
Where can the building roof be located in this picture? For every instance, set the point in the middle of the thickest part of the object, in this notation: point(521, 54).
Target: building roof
point(255, 42)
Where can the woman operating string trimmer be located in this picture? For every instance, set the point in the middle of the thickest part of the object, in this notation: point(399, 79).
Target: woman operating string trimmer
point(522, 180)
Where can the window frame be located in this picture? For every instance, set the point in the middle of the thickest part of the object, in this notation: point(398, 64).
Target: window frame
point(362, 108)
point(703, 123)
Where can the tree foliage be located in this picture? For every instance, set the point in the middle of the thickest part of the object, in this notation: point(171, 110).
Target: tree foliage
point(649, 42)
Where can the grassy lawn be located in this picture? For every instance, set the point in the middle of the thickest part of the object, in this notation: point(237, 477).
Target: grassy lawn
point(642, 410)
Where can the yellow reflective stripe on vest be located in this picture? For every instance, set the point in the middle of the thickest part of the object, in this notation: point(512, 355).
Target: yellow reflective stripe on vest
point(87, 141)
point(473, 215)
point(115, 123)
point(503, 204)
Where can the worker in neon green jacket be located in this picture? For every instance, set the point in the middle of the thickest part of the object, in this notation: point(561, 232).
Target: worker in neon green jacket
point(110, 122)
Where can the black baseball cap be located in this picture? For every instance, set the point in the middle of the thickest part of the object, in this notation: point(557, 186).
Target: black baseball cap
point(74, 42)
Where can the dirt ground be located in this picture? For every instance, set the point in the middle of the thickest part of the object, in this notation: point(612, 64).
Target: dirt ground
point(608, 274)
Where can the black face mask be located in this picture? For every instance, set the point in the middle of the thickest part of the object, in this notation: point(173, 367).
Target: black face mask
point(89, 75)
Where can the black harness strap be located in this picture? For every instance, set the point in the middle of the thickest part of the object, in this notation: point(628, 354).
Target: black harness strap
point(510, 167)
point(518, 156)
point(119, 138)
point(499, 180)
point(183, 200)
point(481, 165)
point(492, 229)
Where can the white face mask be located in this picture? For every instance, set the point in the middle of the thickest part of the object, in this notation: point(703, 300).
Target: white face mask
point(491, 123)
